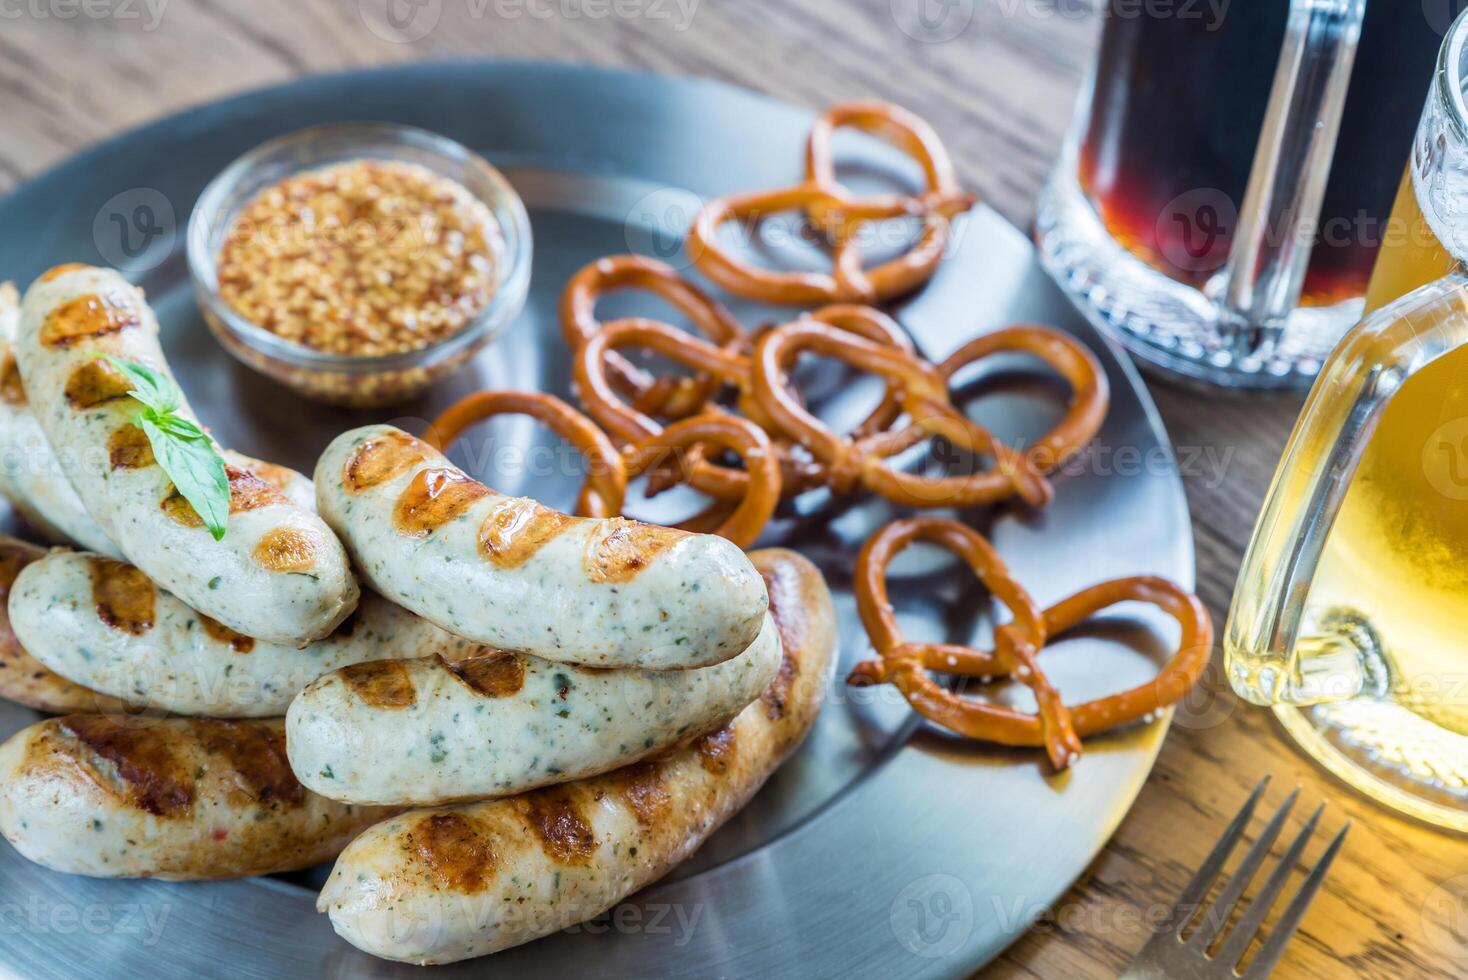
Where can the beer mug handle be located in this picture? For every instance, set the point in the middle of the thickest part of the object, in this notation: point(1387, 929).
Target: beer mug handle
point(1280, 212)
point(1268, 660)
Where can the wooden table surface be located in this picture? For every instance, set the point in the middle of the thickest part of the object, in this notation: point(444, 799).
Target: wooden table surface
point(998, 79)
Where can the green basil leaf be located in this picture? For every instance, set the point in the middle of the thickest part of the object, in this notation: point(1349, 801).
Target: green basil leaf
point(194, 466)
point(184, 450)
point(151, 387)
point(179, 428)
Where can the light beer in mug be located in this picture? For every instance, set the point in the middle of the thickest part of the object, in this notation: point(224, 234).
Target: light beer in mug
point(1351, 611)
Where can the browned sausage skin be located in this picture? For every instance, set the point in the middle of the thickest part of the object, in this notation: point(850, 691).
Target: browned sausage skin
point(277, 574)
point(179, 798)
point(445, 884)
point(107, 626)
point(514, 575)
point(23, 678)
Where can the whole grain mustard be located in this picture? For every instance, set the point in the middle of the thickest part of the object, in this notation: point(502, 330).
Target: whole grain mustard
point(363, 258)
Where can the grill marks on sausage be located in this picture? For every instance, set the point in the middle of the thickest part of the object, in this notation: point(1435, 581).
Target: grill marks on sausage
point(125, 598)
point(496, 675)
point(95, 383)
point(88, 317)
point(145, 770)
point(254, 756)
point(286, 549)
point(381, 683)
point(555, 816)
point(792, 621)
point(160, 766)
point(514, 531)
point(716, 750)
point(12, 390)
point(279, 477)
point(180, 511)
point(219, 633)
point(777, 696)
point(457, 851)
point(433, 498)
point(645, 791)
point(246, 492)
point(128, 448)
point(381, 458)
point(626, 549)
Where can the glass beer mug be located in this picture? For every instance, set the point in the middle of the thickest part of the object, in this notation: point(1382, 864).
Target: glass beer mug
point(1218, 205)
point(1351, 612)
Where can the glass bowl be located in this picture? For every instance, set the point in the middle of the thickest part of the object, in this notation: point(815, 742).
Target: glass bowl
point(343, 379)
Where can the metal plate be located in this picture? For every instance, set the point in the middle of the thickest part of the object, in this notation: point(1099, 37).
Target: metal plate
point(882, 849)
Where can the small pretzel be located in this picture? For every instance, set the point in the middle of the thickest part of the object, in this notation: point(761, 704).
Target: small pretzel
point(626, 422)
point(842, 285)
point(905, 130)
point(630, 424)
point(605, 489)
point(878, 327)
point(1017, 644)
point(1090, 393)
point(743, 523)
point(838, 216)
point(606, 478)
point(923, 394)
point(673, 397)
point(941, 201)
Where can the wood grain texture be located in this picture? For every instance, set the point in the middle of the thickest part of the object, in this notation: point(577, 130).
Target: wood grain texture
point(1000, 91)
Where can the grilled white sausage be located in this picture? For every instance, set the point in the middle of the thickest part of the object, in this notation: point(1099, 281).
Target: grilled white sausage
point(103, 624)
point(515, 575)
point(426, 731)
point(297, 487)
point(30, 476)
point(279, 574)
point(435, 886)
point(23, 678)
point(180, 798)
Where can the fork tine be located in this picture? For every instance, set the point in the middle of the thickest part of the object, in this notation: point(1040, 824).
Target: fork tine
point(1197, 888)
point(1218, 913)
point(1233, 948)
point(1285, 928)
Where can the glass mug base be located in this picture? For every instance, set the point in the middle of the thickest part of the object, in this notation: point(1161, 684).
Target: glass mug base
point(1172, 329)
point(1388, 753)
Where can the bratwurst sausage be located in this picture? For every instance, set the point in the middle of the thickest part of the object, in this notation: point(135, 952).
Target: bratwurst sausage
point(23, 678)
point(279, 574)
point(435, 886)
point(425, 731)
point(181, 798)
point(30, 476)
point(105, 625)
point(32, 480)
point(515, 575)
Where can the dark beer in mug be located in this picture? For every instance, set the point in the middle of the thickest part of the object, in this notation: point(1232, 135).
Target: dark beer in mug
point(1178, 107)
point(1163, 152)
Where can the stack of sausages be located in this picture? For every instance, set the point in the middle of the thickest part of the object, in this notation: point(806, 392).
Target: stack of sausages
point(606, 692)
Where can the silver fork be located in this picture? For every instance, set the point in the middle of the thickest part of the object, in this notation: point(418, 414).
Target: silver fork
point(1167, 956)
